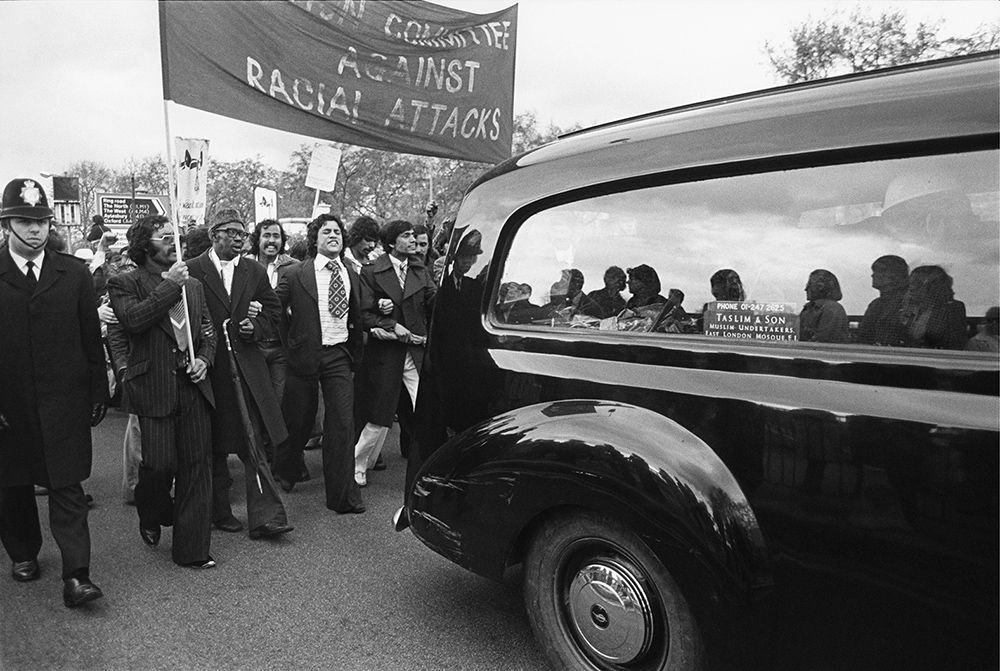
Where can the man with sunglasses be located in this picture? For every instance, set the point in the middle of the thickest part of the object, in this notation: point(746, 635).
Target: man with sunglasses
point(168, 389)
point(53, 389)
point(232, 282)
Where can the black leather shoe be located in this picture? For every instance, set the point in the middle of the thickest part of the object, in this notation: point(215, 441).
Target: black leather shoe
point(270, 530)
point(355, 509)
point(229, 524)
point(78, 591)
point(203, 564)
point(379, 464)
point(286, 486)
point(150, 535)
point(25, 571)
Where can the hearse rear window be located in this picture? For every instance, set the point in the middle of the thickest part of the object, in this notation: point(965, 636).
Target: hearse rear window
point(901, 253)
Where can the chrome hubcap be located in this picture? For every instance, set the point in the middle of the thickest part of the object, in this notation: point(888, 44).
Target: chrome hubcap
point(609, 611)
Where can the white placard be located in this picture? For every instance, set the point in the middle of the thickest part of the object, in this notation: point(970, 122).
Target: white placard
point(323, 167)
point(265, 204)
point(191, 170)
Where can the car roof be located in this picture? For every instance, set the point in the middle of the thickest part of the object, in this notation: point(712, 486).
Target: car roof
point(951, 98)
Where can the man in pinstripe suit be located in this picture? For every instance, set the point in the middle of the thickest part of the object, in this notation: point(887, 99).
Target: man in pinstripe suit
point(170, 394)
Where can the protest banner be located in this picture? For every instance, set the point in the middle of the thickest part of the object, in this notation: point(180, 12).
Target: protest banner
point(191, 170)
point(411, 77)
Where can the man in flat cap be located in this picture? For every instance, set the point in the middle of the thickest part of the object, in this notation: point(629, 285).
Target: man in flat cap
point(53, 389)
point(232, 282)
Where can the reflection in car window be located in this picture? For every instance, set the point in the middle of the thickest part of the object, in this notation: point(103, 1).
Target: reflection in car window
point(911, 246)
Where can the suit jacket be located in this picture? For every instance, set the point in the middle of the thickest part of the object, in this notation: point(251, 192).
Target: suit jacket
point(282, 263)
point(141, 301)
point(382, 368)
point(52, 373)
point(299, 297)
point(250, 283)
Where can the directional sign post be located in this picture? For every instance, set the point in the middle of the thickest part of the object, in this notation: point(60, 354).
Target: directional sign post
point(117, 208)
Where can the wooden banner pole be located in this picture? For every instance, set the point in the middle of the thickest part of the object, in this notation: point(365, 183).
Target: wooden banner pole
point(177, 226)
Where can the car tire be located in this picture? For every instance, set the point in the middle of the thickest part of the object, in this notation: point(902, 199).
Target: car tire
point(598, 599)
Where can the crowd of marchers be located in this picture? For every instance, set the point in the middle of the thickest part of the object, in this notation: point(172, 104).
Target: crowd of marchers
point(215, 343)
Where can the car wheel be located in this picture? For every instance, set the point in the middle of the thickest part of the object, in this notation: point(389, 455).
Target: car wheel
point(597, 598)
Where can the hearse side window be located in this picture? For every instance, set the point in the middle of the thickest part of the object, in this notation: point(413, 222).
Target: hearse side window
point(900, 253)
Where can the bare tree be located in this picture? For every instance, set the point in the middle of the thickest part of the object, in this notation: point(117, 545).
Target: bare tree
point(94, 176)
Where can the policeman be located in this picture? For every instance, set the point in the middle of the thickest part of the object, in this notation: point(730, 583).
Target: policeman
point(53, 389)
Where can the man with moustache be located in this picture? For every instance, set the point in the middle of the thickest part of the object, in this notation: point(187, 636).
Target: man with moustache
point(397, 295)
point(267, 246)
point(168, 389)
point(53, 389)
point(361, 240)
point(322, 295)
point(232, 282)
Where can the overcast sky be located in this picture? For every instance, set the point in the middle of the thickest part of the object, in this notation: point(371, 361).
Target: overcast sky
point(81, 79)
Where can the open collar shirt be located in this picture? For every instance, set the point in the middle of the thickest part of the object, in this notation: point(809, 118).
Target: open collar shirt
point(225, 268)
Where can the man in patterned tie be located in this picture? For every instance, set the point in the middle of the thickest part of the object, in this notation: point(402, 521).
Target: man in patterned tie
point(53, 389)
point(322, 298)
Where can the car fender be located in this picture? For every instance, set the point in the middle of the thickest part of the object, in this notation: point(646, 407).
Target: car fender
point(632, 464)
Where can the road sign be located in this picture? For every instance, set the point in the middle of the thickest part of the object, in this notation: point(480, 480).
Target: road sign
point(117, 208)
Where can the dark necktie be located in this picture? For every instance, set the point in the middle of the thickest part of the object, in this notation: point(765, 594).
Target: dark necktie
point(337, 299)
point(32, 278)
point(402, 275)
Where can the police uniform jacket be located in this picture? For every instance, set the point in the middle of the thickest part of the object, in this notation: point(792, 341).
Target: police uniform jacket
point(52, 374)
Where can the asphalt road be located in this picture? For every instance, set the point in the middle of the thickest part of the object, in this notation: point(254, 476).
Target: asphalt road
point(339, 592)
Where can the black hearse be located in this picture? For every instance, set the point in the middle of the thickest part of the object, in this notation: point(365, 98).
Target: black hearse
point(779, 447)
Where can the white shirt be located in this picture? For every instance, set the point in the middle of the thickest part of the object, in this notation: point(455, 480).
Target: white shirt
point(356, 263)
point(272, 273)
point(396, 265)
point(225, 268)
point(334, 330)
point(22, 263)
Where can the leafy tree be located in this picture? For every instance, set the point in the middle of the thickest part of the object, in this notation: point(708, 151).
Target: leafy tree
point(231, 184)
point(527, 135)
point(862, 41)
